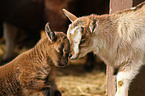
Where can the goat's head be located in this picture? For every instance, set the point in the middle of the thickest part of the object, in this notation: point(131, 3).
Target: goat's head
point(60, 46)
point(79, 33)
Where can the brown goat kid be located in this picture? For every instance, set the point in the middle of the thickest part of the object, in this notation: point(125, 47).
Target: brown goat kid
point(119, 39)
point(32, 72)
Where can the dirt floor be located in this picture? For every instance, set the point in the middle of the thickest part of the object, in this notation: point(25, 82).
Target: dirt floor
point(73, 80)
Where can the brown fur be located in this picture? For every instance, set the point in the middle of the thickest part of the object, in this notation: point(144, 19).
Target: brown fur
point(117, 38)
point(32, 72)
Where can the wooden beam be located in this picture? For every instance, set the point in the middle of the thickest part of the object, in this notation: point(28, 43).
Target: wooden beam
point(110, 85)
point(119, 5)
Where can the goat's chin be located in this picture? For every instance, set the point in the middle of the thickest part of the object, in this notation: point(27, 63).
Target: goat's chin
point(81, 56)
point(74, 56)
point(62, 63)
point(78, 56)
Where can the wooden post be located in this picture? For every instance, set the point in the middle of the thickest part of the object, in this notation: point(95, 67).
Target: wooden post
point(115, 5)
point(110, 87)
point(119, 5)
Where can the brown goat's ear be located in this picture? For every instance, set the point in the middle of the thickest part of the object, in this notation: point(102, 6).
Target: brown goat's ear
point(50, 34)
point(69, 15)
point(93, 25)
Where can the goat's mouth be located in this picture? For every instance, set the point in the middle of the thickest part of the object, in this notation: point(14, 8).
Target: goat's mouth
point(62, 62)
point(74, 56)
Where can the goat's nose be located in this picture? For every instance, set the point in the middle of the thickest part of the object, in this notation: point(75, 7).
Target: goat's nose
point(70, 55)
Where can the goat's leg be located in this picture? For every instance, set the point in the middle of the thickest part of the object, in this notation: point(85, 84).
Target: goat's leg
point(10, 36)
point(125, 77)
point(51, 81)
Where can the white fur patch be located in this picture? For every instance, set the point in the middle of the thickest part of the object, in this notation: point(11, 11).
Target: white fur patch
point(73, 30)
point(133, 8)
point(76, 40)
point(126, 77)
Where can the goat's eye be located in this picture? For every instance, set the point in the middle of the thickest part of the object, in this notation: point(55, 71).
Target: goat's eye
point(83, 41)
point(60, 48)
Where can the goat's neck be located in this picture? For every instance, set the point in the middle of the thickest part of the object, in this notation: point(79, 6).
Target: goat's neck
point(106, 36)
point(40, 54)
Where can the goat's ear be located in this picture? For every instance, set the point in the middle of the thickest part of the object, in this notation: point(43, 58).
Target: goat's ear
point(93, 25)
point(69, 15)
point(50, 34)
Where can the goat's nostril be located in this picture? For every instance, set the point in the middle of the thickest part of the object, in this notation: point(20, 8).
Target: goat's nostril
point(70, 55)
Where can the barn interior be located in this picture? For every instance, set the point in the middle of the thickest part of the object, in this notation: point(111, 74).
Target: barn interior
point(83, 77)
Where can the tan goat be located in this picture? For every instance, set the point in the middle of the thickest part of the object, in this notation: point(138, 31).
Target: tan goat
point(119, 39)
point(32, 72)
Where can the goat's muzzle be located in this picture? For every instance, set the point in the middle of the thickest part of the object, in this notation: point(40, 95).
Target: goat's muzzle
point(70, 55)
point(63, 62)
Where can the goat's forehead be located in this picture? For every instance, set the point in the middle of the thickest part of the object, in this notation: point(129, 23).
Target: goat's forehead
point(75, 38)
point(80, 22)
point(62, 38)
